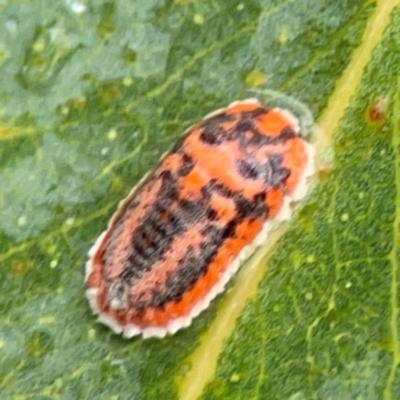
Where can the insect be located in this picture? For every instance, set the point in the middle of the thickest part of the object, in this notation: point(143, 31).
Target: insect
point(183, 231)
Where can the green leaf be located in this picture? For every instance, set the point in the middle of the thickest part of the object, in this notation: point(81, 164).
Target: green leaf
point(92, 93)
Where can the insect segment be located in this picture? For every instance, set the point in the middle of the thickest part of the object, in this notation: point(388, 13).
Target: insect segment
point(183, 231)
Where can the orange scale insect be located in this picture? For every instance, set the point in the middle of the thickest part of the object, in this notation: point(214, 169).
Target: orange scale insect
point(274, 201)
point(184, 230)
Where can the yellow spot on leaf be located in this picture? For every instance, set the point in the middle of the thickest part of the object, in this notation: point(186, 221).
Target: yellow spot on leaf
point(127, 81)
point(198, 19)
point(116, 185)
point(64, 110)
point(38, 46)
point(277, 308)
point(283, 35)
point(112, 134)
point(255, 78)
point(79, 103)
point(344, 217)
point(310, 259)
point(47, 320)
point(5, 131)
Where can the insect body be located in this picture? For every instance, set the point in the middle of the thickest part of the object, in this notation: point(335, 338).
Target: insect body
point(183, 231)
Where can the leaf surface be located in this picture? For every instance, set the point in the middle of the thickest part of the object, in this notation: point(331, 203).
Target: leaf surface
point(92, 93)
